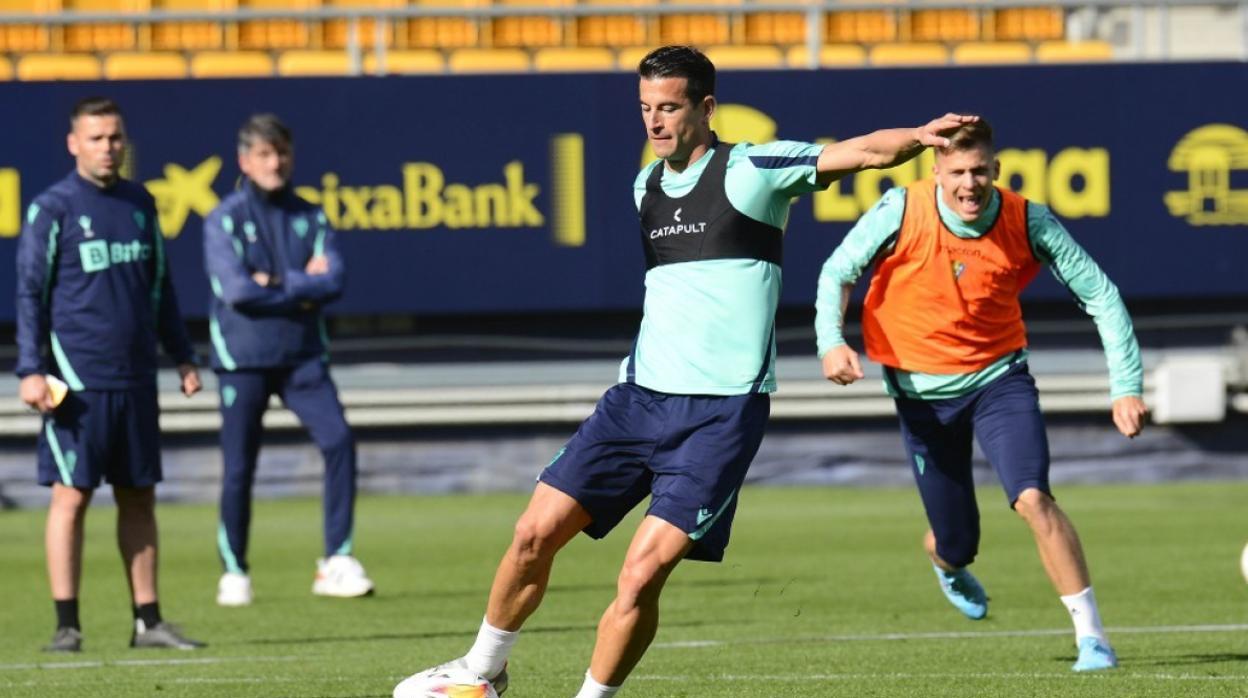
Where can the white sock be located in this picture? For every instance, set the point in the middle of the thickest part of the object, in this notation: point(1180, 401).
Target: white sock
point(1083, 612)
point(489, 653)
point(593, 689)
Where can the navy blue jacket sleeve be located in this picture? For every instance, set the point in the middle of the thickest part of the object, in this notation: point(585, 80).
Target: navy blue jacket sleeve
point(36, 259)
point(320, 288)
point(231, 279)
point(169, 325)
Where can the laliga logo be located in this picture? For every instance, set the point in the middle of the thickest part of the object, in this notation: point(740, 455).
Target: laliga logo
point(1209, 155)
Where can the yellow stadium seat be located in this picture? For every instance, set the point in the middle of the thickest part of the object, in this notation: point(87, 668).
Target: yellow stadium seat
point(569, 60)
point(6, 69)
point(446, 32)
point(231, 64)
point(772, 28)
point(1074, 52)
point(697, 29)
point(830, 56)
point(336, 32)
point(615, 30)
point(145, 66)
point(407, 62)
point(991, 52)
point(628, 58)
point(58, 66)
point(27, 37)
point(529, 31)
point(909, 54)
point(485, 60)
point(861, 26)
point(745, 57)
point(92, 36)
point(301, 63)
point(944, 25)
point(1029, 23)
point(269, 34)
point(189, 36)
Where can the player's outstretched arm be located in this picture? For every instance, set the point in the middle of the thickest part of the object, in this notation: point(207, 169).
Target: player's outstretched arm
point(885, 148)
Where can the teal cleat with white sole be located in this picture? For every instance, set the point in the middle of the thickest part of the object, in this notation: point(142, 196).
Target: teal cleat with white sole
point(1095, 654)
point(964, 592)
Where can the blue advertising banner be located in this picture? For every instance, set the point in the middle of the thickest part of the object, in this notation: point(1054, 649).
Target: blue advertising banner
point(494, 194)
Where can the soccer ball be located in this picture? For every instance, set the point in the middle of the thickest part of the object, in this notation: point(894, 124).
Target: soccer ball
point(445, 682)
point(1243, 563)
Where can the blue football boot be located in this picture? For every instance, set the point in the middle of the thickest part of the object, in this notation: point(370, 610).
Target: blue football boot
point(1094, 655)
point(964, 592)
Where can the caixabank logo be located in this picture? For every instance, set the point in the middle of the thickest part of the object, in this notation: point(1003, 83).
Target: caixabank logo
point(1211, 156)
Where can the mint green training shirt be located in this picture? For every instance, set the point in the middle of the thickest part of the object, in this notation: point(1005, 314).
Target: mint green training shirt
point(707, 327)
point(1050, 242)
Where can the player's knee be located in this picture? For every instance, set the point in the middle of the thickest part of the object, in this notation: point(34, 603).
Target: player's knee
point(1034, 506)
point(641, 579)
point(534, 539)
point(337, 440)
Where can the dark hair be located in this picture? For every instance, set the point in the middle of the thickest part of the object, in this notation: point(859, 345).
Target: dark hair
point(969, 136)
point(93, 106)
point(267, 128)
point(681, 62)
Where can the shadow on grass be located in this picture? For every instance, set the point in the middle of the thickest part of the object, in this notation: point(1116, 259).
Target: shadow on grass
point(451, 634)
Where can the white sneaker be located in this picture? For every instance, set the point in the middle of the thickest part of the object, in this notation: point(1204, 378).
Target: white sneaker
point(234, 589)
point(342, 576)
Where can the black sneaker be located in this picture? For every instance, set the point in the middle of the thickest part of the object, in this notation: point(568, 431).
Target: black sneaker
point(162, 635)
point(65, 640)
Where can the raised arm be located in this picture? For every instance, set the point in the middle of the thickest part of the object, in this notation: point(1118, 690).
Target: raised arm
point(885, 148)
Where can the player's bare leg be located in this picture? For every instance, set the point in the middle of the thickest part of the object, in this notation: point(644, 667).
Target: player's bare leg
point(137, 539)
point(63, 538)
point(629, 624)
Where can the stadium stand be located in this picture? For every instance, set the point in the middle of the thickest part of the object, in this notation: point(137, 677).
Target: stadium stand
point(529, 32)
point(992, 52)
point(696, 29)
point(615, 30)
point(573, 59)
point(909, 54)
point(308, 63)
point(6, 69)
point(231, 64)
point(446, 32)
point(497, 60)
point(58, 66)
point(188, 36)
point(748, 57)
point(336, 33)
point(834, 56)
point(145, 66)
point(775, 28)
point(274, 34)
point(409, 62)
point(27, 37)
point(1074, 51)
point(101, 36)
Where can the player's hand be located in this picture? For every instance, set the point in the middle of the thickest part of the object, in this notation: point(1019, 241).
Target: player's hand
point(190, 379)
point(317, 265)
point(34, 392)
point(261, 278)
point(1129, 414)
point(841, 366)
point(933, 132)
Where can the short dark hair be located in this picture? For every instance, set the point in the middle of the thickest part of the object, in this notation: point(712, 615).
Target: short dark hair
point(267, 128)
point(681, 62)
point(969, 137)
point(93, 106)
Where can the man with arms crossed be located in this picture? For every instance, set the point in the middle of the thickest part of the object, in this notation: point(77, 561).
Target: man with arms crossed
point(93, 286)
point(952, 254)
point(273, 263)
point(688, 414)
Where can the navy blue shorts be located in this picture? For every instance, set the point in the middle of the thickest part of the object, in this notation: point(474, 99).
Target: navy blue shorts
point(102, 435)
point(1004, 416)
point(689, 453)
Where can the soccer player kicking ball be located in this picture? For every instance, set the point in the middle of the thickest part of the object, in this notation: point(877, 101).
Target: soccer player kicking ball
point(689, 411)
point(952, 254)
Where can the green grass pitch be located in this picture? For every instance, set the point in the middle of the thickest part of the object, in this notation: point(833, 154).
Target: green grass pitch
point(825, 592)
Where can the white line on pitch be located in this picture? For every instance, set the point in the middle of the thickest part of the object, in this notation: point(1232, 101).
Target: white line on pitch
point(924, 676)
point(951, 635)
point(96, 664)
